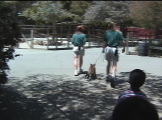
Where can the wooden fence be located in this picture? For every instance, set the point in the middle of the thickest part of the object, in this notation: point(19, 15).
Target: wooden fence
point(44, 37)
point(61, 39)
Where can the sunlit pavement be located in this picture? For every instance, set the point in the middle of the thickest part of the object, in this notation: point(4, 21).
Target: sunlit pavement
point(42, 85)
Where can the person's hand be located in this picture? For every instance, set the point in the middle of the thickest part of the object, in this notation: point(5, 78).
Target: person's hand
point(123, 50)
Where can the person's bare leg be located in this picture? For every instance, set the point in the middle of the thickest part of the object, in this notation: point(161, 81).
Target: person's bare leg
point(114, 69)
point(76, 65)
point(80, 63)
point(108, 68)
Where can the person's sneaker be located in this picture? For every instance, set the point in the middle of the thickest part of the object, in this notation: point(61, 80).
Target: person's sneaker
point(76, 72)
point(108, 78)
point(112, 82)
point(80, 71)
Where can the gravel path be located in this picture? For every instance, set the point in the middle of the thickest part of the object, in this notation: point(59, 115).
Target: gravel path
point(42, 86)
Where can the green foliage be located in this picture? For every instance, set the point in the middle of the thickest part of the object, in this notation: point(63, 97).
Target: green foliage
point(79, 8)
point(46, 12)
point(107, 11)
point(56, 11)
point(146, 14)
point(66, 5)
point(9, 30)
point(9, 36)
point(142, 13)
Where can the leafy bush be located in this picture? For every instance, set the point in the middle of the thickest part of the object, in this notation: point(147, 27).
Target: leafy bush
point(9, 36)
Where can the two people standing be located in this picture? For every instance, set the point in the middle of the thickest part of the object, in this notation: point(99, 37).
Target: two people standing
point(112, 39)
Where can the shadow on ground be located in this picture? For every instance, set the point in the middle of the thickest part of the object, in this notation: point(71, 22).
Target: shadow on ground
point(54, 97)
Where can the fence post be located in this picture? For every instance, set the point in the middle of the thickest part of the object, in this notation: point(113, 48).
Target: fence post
point(127, 43)
point(89, 39)
point(56, 40)
point(149, 47)
point(25, 39)
point(47, 39)
point(68, 40)
point(32, 38)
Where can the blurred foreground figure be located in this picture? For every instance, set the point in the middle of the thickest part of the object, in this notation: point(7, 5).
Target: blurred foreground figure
point(135, 108)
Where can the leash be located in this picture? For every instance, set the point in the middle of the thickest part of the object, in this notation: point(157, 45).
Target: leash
point(102, 58)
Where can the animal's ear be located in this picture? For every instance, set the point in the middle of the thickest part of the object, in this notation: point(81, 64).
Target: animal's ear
point(94, 64)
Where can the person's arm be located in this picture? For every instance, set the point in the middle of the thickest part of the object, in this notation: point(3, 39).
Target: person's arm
point(123, 44)
point(104, 44)
point(85, 39)
point(72, 40)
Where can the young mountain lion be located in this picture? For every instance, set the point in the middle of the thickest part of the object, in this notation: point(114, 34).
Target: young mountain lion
point(91, 74)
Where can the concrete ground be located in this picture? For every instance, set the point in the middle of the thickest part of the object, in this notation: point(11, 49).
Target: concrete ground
point(42, 85)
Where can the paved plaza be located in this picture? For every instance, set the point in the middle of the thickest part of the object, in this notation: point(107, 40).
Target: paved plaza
point(42, 85)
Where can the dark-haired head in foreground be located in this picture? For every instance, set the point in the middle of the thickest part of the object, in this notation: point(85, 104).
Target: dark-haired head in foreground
point(135, 108)
point(136, 80)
